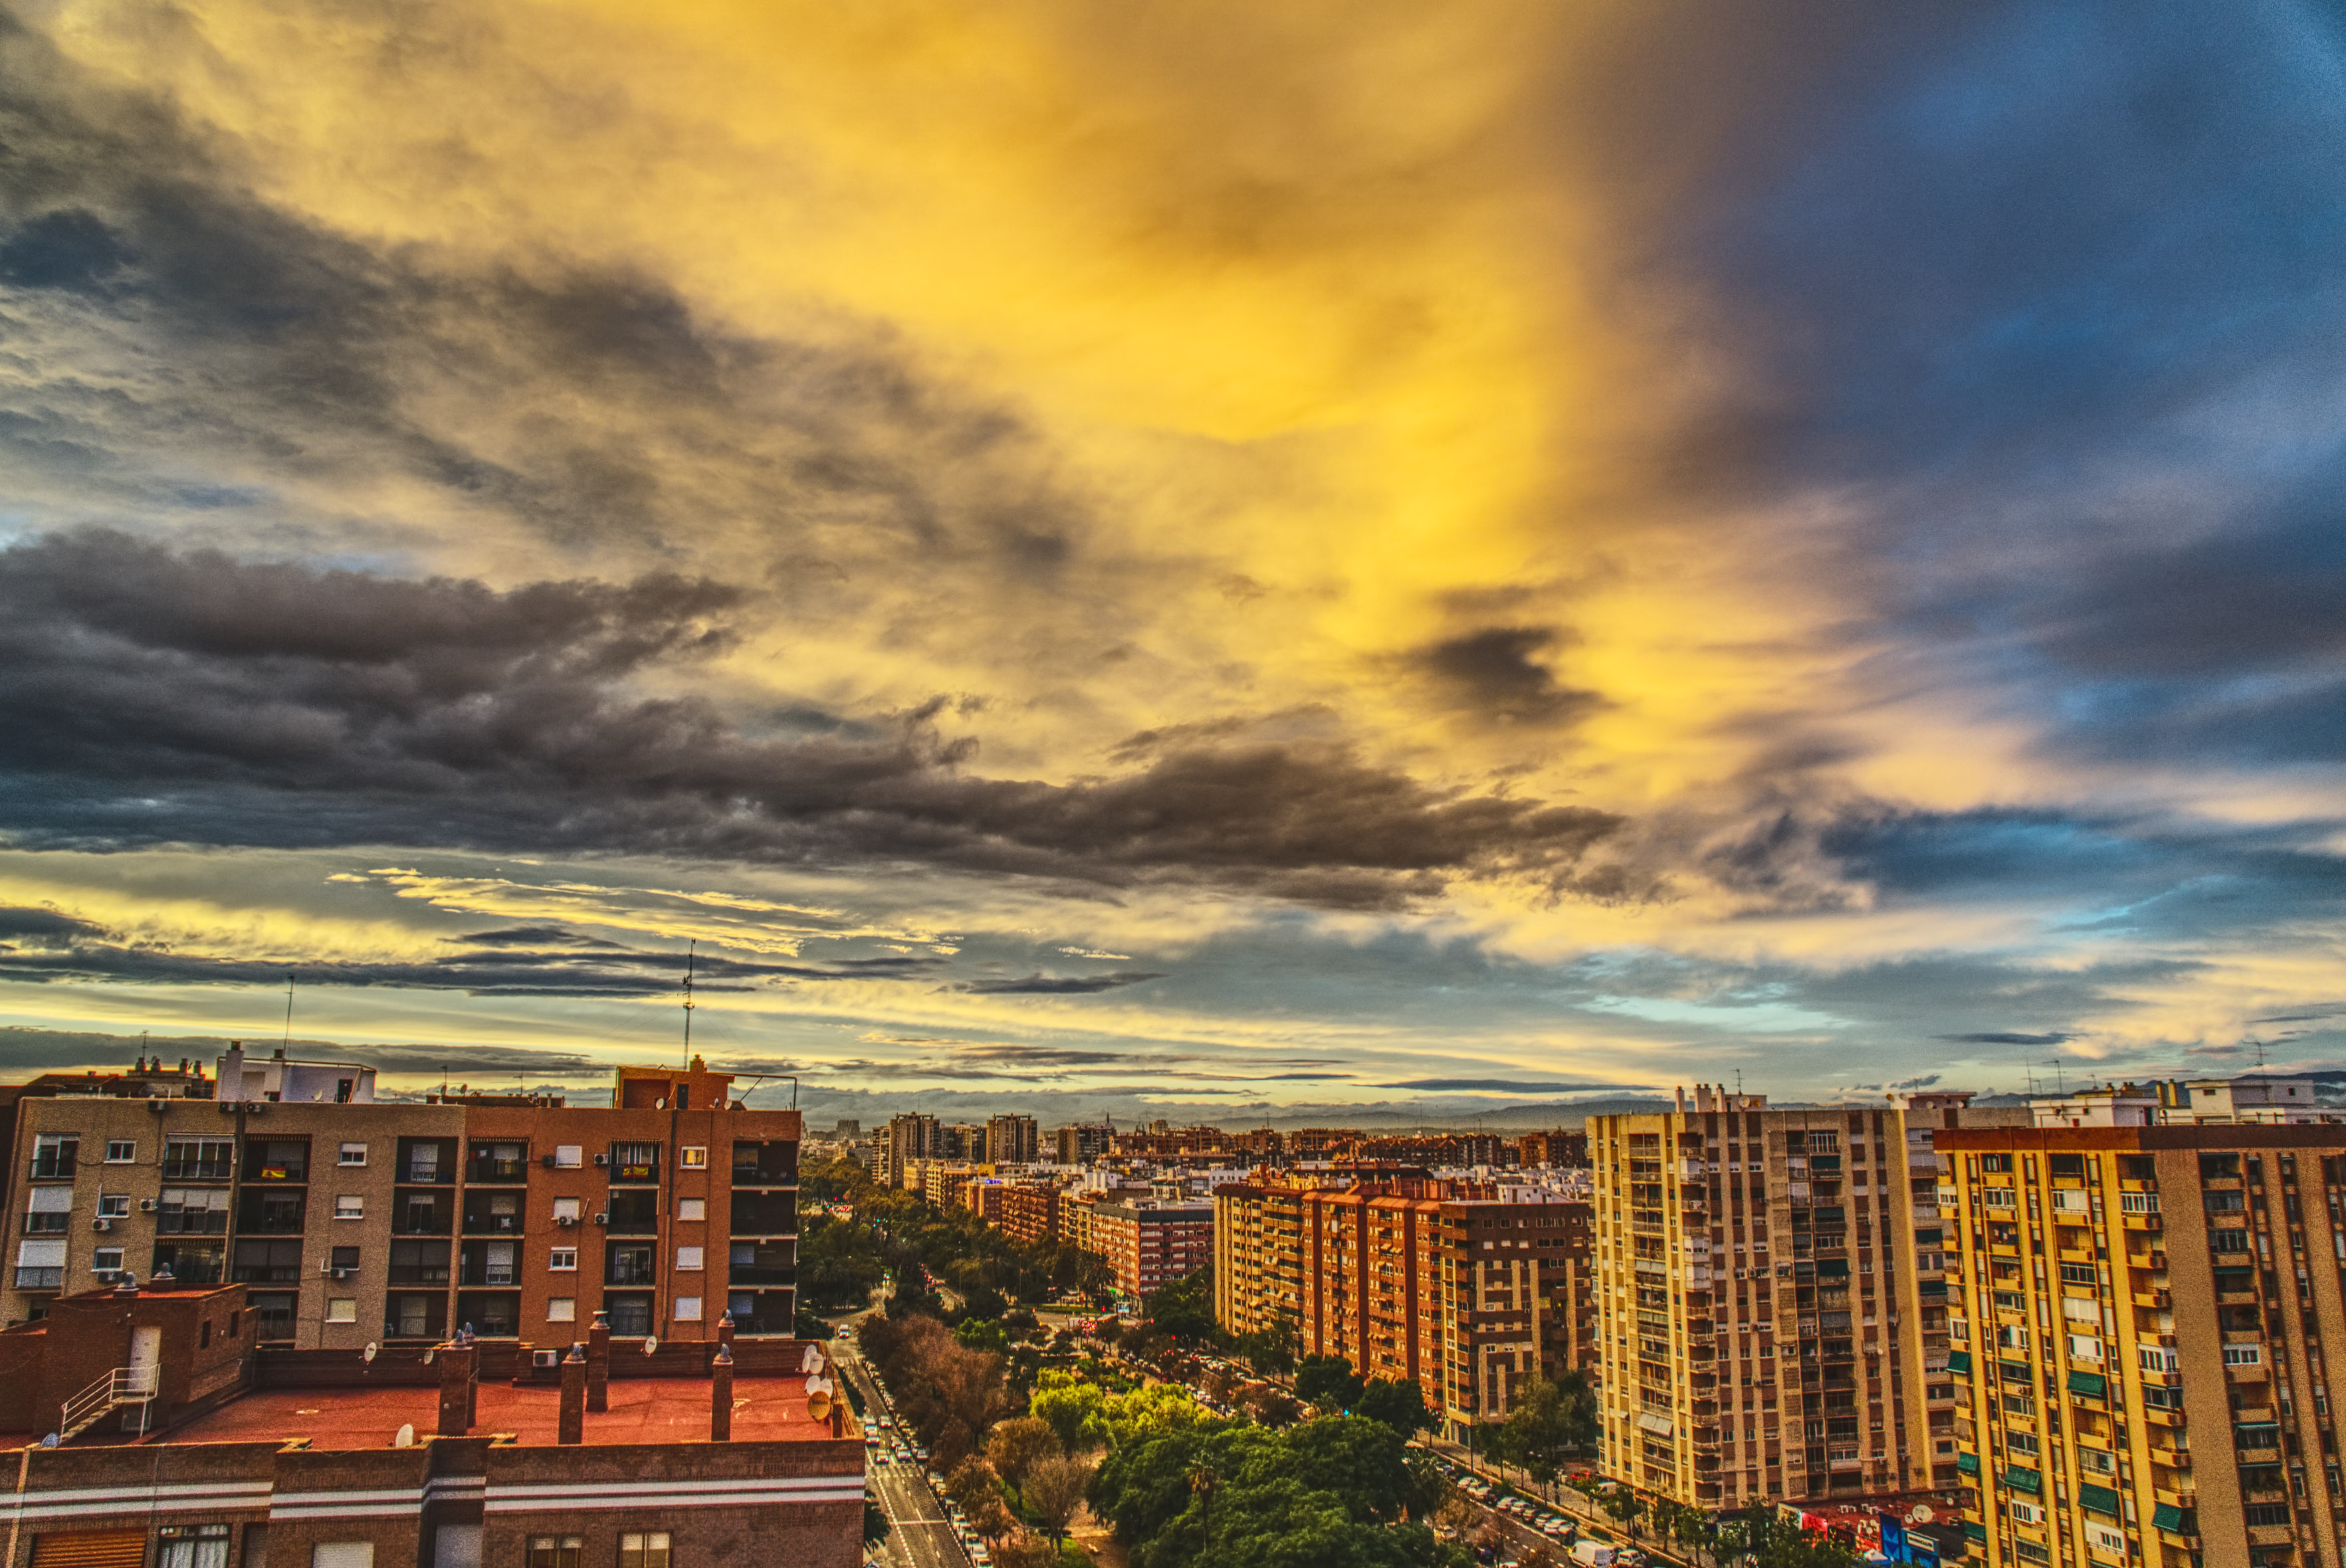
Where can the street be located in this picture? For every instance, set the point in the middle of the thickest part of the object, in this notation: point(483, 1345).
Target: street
point(919, 1533)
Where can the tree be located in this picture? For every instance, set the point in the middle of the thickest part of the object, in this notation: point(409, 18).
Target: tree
point(970, 1484)
point(1399, 1405)
point(1773, 1544)
point(1327, 1381)
point(1621, 1504)
point(1016, 1445)
point(875, 1523)
point(1055, 1489)
point(1547, 1423)
point(1183, 1311)
point(1071, 1407)
point(1270, 1351)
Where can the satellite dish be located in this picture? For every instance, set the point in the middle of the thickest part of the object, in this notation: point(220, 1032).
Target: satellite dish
point(406, 1438)
point(812, 1362)
point(368, 1354)
point(1920, 1514)
point(651, 1343)
point(818, 1385)
point(817, 1407)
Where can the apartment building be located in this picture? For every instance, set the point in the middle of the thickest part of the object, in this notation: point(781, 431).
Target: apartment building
point(2145, 1318)
point(1013, 1141)
point(1149, 1242)
point(354, 1223)
point(1027, 1212)
point(152, 1431)
point(1413, 1278)
point(1765, 1328)
point(911, 1138)
point(1081, 1143)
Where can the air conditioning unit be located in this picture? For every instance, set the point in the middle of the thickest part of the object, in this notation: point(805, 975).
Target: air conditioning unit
point(566, 1220)
point(101, 1223)
point(327, 1270)
point(147, 1205)
point(546, 1361)
point(345, 1273)
point(545, 1160)
point(602, 1218)
point(602, 1159)
point(158, 1107)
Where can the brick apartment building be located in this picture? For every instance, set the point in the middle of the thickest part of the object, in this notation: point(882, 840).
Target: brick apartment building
point(361, 1222)
point(191, 1445)
point(1412, 1279)
point(1148, 1241)
point(1027, 1211)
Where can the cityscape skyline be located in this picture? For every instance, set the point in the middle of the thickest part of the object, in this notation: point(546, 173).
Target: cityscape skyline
point(1269, 558)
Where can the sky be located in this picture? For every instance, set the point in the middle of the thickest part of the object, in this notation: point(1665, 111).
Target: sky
point(1215, 559)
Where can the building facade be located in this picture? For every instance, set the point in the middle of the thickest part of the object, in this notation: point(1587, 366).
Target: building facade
point(2147, 1318)
point(356, 1223)
point(1411, 1278)
point(1013, 1141)
point(1762, 1309)
point(1149, 1242)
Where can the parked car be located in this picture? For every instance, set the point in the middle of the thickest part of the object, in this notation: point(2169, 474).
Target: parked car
point(1593, 1554)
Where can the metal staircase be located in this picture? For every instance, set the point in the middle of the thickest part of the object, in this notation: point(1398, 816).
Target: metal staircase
point(121, 1387)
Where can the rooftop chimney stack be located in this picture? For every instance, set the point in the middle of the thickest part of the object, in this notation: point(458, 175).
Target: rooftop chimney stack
point(720, 1396)
point(459, 1386)
point(573, 1426)
point(598, 1362)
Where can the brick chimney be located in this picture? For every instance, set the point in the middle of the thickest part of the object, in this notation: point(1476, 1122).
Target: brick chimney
point(459, 1385)
point(720, 1396)
point(598, 1362)
point(573, 1427)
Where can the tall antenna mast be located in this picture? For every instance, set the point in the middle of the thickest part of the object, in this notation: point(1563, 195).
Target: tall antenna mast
point(289, 1013)
point(2060, 1079)
point(692, 949)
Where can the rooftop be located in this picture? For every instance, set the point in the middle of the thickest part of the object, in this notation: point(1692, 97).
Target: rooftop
point(643, 1410)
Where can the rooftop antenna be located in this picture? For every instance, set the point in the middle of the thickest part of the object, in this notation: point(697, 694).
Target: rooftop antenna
point(2060, 1080)
point(289, 1013)
point(2260, 1045)
point(692, 949)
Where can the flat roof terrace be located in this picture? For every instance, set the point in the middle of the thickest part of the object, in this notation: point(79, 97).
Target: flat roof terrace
point(643, 1410)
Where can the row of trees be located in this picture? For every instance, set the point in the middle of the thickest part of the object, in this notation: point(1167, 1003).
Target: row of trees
point(902, 1235)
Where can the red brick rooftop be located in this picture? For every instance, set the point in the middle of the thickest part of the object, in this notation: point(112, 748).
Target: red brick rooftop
point(643, 1410)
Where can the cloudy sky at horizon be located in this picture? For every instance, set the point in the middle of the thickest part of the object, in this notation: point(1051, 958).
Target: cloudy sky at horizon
point(1331, 555)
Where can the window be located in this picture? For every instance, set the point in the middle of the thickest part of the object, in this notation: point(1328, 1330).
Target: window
point(562, 1259)
point(349, 1206)
point(2258, 1514)
point(554, 1550)
point(1996, 1198)
point(50, 1209)
point(40, 1265)
point(688, 1309)
point(193, 1211)
point(344, 1260)
point(114, 1206)
point(106, 1261)
point(635, 1162)
point(2156, 1359)
point(2082, 1349)
point(692, 1157)
point(54, 1156)
point(121, 1152)
point(2137, 1203)
point(2228, 1242)
point(2097, 1460)
point(692, 1208)
point(341, 1309)
point(2244, 1356)
point(645, 1551)
point(569, 1156)
point(562, 1309)
point(566, 1209)
point(2076, 1274)
point(343, 1554)
point(191, 1547)
point(353, 1155)
point(198, 1159)
point(688, 1259)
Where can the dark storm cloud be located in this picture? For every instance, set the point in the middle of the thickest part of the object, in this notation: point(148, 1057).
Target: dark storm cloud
point(1503, 1086)
point(154, 696)
point(530, 936)
point(44, 928)
point(86, 952)
point(2055, 298)
point(1994, 1038)
point(1057, 985)
point(1495, 673)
